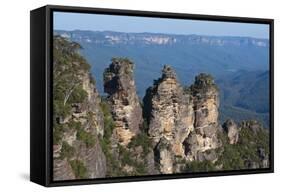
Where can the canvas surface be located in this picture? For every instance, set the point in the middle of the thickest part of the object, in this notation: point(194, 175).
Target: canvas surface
point(143, 96)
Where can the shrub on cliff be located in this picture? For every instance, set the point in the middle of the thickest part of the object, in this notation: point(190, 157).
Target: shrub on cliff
point(68, 68)
point(67, 151)
point(79, 169)
point(197, 166)
point(87, 138)
point(108, 120)
point(248, 149)
point(142, 140)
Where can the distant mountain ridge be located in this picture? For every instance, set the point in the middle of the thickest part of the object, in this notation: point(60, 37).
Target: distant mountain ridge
point(189, 54)
point(112, 37)
point(223, 57)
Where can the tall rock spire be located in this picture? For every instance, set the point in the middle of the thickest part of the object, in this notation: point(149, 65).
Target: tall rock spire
point(125, 106)
point(205, 103)
point(170, 118)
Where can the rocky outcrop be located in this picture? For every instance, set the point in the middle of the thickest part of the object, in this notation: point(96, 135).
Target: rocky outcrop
point(93, 159)
point(231, 128)
point(83, 126)
point(93, 104)
point(182, 123)
point(253, 125)
point(125, 105)
point(170, 115)
point(257, 138)
point(261, 162)
point(78, 118)
point(165, 156)
point(205, 104)
point(62, 170)
point(264, 159)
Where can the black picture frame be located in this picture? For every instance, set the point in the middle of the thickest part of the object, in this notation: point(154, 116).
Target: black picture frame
point(41, 32)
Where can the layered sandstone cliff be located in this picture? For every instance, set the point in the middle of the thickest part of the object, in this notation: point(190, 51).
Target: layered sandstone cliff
point(170, 116)
point(203, 139)
point(182, 123)
point(126, 111)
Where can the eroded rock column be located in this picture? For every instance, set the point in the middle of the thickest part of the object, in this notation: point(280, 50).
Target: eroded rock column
point(170, 116)
point(199, 144)
point(125, 105)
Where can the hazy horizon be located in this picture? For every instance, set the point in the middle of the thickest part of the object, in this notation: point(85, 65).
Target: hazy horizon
point(99, 31)
point(132, 24)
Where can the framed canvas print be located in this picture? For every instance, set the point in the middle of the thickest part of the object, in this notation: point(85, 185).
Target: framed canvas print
point(122, 95)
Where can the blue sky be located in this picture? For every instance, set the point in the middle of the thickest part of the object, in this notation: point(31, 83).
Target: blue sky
point(95, 22)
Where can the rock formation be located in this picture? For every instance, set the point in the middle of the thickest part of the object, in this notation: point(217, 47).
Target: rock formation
point(176, 129)
point(78, 118)
point(258, 139)
point(184, 127)
point(170, 116)
point(125, 105)
point(62, 170)
point(88, 124)
point(205, 104)
point(185, 122)
point(232, 131)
